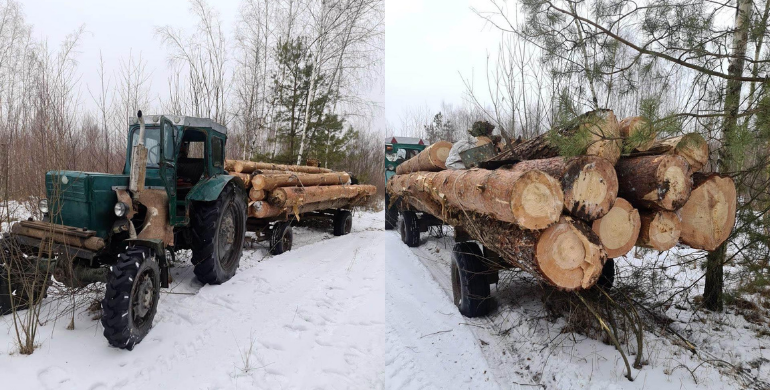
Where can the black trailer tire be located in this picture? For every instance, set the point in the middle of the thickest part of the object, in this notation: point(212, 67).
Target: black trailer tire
point(131, 297)
point(410, 228)
point(218, 230)
point(470, 285)
point(343, 222)
point(391, 215)
point(14, 293)
point(281, 238)
point(607, 278)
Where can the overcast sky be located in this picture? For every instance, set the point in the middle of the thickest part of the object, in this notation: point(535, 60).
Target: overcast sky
point(428, 43)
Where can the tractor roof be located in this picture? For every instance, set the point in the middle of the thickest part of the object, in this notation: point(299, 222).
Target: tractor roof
point(180, 120)
point(404, 140)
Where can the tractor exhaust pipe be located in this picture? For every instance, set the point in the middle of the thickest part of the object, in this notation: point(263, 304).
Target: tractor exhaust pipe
point(138, 160)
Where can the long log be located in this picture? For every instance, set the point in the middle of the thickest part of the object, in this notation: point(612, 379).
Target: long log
point(261, 209)
point(290, 197)
point(589, 183)
point(654, 182)
point(273, 181)
point(618, 230)
point(251, 166)
point(659, 230)
point(595, 133)
point(692, 147)
point(245, 177)
point(432, 158)
point(530, 199)
point(708, 216)
point(638, 133)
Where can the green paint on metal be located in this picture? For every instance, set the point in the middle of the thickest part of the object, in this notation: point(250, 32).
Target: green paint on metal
point(209, 189)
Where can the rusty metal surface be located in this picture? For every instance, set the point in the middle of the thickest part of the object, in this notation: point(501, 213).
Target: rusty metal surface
point(474, 156)
point(155, 224)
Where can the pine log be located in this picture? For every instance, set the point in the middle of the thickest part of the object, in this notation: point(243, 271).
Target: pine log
point(290, 197)
point(255, 194)
point(245, 177)
point(530, 199)
point(638, 133)
point(692, 147)
point(659, 230)
point(229, 165)
point(654, 182)
point(432, 158)
point(589, 183)
point(708, 216)
point(269, 182)
point(262, 209)
point(618, 230)
point(595, 133)
point(251, 166)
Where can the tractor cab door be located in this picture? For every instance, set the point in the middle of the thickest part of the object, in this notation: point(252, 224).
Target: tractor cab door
point(168, 168)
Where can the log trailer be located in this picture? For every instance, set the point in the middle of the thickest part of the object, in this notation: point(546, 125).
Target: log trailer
point(564, 218)
point(124, 229)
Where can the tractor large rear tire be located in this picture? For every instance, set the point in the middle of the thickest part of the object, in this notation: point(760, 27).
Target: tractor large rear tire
point(131, 297)
point(218, 231)
point(470, 282)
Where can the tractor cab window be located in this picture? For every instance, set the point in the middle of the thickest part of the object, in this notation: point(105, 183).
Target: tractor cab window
point(395, 155)
point(151, 142)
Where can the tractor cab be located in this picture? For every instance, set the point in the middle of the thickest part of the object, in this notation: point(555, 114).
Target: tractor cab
point(398, 150)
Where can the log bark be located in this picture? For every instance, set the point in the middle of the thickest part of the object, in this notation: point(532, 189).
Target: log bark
point(289, 197)
point(638, 133)
point(432, 158)
point(654, 182)
point(589, 183)
point(269, 182)
point(251, 166)
point(692, 147)
point(595, 133)
point(659, 230)
point(708, 216)
point(255, 194)
point(530, 199)
point(262, 209)
point(618, 230)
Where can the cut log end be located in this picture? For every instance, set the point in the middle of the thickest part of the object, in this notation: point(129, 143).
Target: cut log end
point(673, 174)
point(694, 148)
point(660, 230)
point(637, 133)
point(618, 230)
point(537, 200)
point(570, 255)
point(590, 188)
point(709, 215)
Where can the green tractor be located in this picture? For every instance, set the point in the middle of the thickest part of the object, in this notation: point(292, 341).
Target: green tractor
point(397, 150)
point(123, 229)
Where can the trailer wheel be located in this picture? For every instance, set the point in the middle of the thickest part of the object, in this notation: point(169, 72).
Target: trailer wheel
point(343, 222)
point(607, 278)
point(281, 238)
point(391, 215)
point(131, 297)
point(410, 228)
point(470, 285)
point(218, 231)
point(23, 278)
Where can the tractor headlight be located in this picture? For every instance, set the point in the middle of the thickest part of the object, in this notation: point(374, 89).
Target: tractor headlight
point(120, 209)
point(42, 205)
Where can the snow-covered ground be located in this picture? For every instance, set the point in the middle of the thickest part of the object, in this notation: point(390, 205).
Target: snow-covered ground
point(312, 318)
point(518, 346)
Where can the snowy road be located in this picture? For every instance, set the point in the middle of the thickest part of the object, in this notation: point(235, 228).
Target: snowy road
point(310, 318)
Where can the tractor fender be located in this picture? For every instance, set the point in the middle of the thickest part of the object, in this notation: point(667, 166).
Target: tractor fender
point(208, 190)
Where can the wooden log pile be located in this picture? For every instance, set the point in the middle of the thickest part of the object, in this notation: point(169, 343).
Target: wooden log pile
point(277, 190)
point(559, 216)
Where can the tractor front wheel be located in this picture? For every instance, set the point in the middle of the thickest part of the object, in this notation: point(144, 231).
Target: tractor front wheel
point(131, 297)
point(218, 230)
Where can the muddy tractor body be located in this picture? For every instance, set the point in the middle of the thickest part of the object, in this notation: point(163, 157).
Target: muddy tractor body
point(123, 229)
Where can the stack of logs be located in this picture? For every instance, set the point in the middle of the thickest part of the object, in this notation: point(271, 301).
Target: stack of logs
point(277, 190)
point(561, 218)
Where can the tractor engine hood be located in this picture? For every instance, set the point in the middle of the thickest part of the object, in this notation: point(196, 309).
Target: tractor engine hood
point(83, 199)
